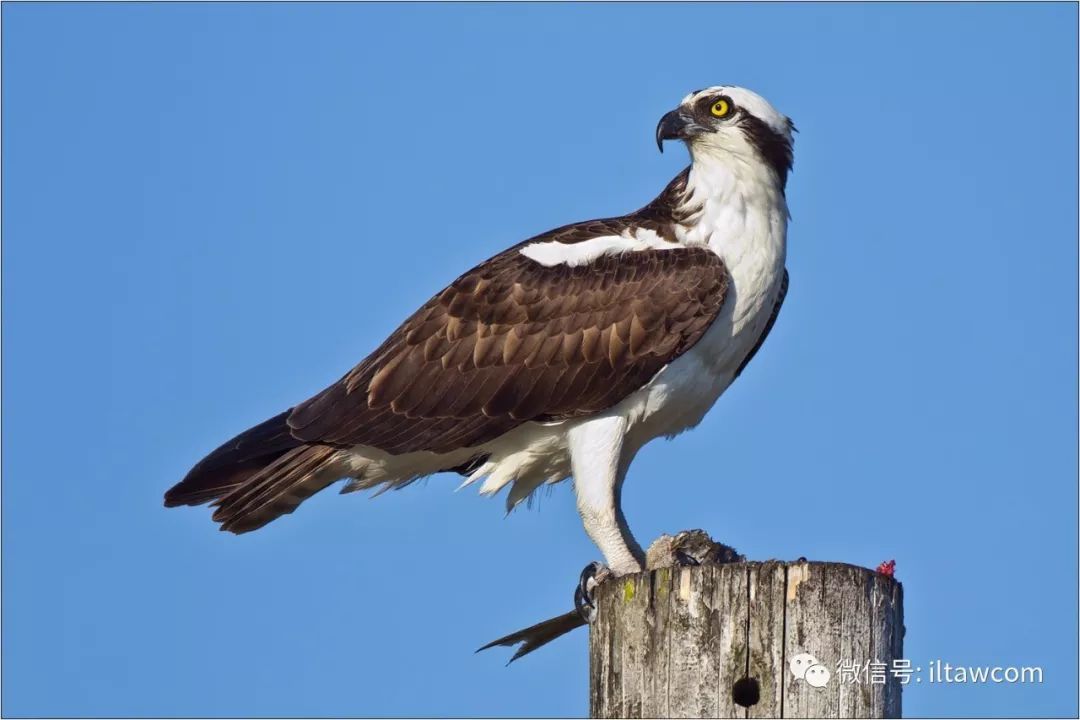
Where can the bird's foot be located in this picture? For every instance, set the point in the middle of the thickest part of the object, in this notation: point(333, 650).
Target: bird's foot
point(687, 549)
point(585, 592)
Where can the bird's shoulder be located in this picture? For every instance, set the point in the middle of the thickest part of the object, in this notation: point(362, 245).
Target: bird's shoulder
point(659, 216)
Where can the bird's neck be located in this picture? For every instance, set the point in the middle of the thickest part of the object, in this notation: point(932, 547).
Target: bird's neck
point(730, 203)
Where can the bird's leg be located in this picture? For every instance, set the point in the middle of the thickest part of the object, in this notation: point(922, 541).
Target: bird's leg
point(596, 449)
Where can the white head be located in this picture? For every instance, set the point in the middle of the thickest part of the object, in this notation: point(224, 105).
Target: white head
point(730, 121)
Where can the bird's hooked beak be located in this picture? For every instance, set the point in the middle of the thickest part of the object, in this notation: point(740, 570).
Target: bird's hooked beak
point(673, 126)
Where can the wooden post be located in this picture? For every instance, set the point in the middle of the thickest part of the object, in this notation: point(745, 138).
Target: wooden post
point(748, 639)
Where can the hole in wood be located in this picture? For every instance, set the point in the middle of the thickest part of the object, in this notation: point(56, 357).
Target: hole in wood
point(746, 692)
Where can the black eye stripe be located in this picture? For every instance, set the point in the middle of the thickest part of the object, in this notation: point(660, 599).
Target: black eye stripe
point(774, 148)
point(703, 107)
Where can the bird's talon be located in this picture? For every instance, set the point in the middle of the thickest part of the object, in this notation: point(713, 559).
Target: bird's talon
point(591, 577)
point(583, 606)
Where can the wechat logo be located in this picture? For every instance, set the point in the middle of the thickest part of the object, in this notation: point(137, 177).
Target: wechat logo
point(805, 666)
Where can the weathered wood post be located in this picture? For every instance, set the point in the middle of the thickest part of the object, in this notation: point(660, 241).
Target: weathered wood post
point(748, 639)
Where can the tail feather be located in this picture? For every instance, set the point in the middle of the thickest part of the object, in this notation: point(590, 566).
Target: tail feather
point(259, 475)
point(234, 463)
point(276, 490)
point(198, 488)
point(221, 485)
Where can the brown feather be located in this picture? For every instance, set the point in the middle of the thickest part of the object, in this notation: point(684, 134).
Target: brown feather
point(276, 490)
point(507, 342)
point(512, 341)
point(232, 464)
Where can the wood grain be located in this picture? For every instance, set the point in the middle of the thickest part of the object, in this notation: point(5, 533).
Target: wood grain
point(718, 640)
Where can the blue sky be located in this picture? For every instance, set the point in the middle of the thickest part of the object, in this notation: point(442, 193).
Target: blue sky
point(212, 211)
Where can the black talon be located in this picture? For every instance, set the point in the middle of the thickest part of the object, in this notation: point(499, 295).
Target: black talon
point(583, 606)
point(583, 593)
point(588, 573)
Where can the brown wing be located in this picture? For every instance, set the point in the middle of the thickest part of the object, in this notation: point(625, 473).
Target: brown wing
point(512, 341)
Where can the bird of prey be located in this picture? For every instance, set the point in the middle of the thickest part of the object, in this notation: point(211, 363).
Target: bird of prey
point(559, 357)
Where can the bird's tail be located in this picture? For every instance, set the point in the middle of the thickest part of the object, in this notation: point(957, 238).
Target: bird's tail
point(258, 476)
point(277, 489)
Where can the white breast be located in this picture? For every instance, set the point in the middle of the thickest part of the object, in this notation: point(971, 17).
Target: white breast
point(743, 218)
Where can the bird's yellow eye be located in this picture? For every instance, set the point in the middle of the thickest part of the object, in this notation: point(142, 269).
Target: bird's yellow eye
point(720, 108)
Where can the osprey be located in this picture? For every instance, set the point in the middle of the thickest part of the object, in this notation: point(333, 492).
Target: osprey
point(559, 357)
